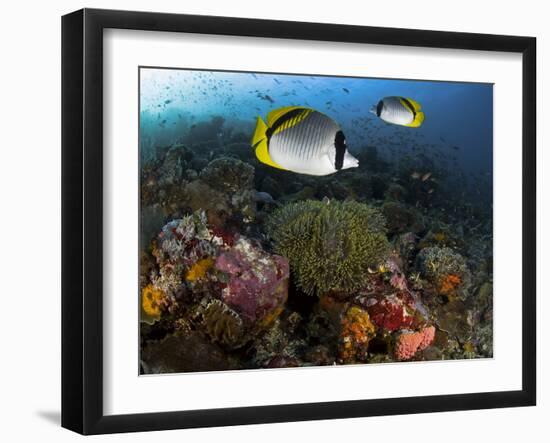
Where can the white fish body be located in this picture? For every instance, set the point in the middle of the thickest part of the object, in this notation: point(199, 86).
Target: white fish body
point(399, 111)
point(302, 140)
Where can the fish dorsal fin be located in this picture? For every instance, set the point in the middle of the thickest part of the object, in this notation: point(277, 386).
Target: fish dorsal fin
point(288, 120)
point(415, 104)
point(276, 114)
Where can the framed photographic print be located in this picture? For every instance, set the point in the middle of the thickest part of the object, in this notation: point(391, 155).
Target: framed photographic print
point(270, 221)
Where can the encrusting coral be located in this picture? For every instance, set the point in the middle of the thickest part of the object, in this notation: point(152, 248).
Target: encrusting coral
point(151, 304)
point(330, 245)
point(443, 267)
point(256, 282)
point(357, 332)
point(199, 269)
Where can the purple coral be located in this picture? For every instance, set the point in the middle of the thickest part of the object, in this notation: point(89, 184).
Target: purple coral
point(258, 281)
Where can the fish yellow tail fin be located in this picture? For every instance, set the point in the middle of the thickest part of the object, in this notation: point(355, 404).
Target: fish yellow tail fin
point(259, 132)
point(418, 120)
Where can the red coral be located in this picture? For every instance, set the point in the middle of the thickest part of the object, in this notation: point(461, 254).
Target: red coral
point(409, 343)
point(391, 313)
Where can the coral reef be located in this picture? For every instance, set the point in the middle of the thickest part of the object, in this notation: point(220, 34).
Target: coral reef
point(401, 218)
point(199, 269)
point(279, 346)
point(444, 268)
point(399, 263)
point(228, 174)
point(185, 352)
point(256, 282)
point(395, 192)
point(172, 187)
point(330, 245)
point(409, 343)
point(151, 304)
point(179, 247)
point(224, 191)
point(223, 325)
point(357, 332)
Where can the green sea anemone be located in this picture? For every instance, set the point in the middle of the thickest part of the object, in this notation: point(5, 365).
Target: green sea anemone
point(330, 246)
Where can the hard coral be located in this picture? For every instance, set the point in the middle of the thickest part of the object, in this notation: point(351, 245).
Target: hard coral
point(331, 245)
point(180, 251)
point(224, 191)
point(228, 174)
point(409, 343)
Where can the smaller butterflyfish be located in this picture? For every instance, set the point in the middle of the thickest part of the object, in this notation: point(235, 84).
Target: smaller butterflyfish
point(399, 111)
point(302, 140)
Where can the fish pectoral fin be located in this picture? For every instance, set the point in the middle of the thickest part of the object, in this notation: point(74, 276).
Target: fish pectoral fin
point(259, 132)
point(262, 153)
point(276, 114)
point(418, 120)
point(415, 104)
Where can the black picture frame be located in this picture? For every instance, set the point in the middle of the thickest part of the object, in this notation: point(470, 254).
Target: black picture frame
point(82, 217)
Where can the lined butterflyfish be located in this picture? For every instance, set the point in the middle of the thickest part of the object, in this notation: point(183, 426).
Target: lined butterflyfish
point(399, 111)
point(302, 140)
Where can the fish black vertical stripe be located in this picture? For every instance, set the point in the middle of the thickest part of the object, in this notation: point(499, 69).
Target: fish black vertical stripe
point(409, 105)
point(340, 143)
point(379, 108)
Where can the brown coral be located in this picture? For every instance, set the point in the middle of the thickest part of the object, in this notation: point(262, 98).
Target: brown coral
point(223, 325)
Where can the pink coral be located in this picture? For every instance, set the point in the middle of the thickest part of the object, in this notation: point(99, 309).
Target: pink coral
point(258, 281)
point(409, 343)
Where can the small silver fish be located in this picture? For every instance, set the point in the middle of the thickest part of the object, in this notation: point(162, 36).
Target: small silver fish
point(399, 111)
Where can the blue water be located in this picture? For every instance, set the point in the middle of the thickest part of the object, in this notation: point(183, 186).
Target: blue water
point(456, 136)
